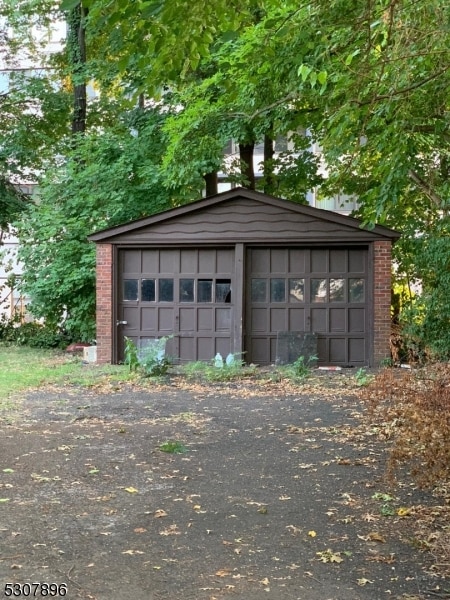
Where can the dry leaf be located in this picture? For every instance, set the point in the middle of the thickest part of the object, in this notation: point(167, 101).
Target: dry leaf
point(132, 552)
point(363, 581)
point(139, 530)
point(404, 512)
point(131, 490)
point(223, 572)
point(312, 533)
point(264, 581)
point(160, 513)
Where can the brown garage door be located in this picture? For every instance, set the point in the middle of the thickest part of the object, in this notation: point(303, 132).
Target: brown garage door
point(186, 293)
point(312, 290)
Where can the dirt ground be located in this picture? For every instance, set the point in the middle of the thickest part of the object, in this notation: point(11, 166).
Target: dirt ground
point(280, 494)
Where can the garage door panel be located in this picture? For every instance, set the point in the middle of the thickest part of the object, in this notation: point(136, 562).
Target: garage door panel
point(166, 319)
point(357, 320)
point(205, 348)
point(150, 261)
point(205, 319)
point(260, 260)
point(169, 261)
point(356, 261)
point(356, 350)
point(259, 319)
point(187, 348)
point(278, 319)
point(131, 316)
point(222, 346)
point(296, 319)
point(338, 321)
point(188, 321)
point(278, 261)
point(206, 262)
point(319, 320)
point(188, 262)
point(223, 319)
point(319, 261)
point(131, 261)
point(149, 318)
point(338, 350)
point(322, 347)
point(338, 261)
point(260, 350)
point(297, 260)
point(224, 260)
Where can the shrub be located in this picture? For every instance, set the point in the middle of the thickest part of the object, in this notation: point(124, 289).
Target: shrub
point(33, 334)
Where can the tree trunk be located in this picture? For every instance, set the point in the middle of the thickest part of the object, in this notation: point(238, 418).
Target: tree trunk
point(212, 183)
point(246, 160)
point(76, 44)
point(269, 177)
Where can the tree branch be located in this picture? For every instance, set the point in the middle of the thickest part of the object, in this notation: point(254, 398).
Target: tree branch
point(401, 91)
point(437, 200)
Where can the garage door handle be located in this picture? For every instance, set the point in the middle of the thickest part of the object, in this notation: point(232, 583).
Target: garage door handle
point(121, 322)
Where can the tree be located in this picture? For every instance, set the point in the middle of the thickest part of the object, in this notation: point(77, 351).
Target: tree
point(119, 181)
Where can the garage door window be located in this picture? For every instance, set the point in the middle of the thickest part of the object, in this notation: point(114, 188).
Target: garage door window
point(187, 290)
point(148, 291)
point(337, 290)
point(204, 290)
point(278, 290)
point(130, 289)
point(318, 290)
point(223, 290)
point(296, 290)
point(356, 290)
point(165, 290)
point(259, 290)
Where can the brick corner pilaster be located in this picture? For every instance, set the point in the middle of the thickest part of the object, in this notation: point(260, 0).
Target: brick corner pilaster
point(104, 310)
point(382, 300)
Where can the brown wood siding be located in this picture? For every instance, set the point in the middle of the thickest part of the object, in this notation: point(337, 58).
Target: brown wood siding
point(243, 220)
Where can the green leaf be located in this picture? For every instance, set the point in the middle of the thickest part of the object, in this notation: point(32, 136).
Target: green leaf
point(67, 5)
point(322, 77)
point(304, 71)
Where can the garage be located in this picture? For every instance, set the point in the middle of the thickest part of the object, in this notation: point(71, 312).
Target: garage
point(230, 272)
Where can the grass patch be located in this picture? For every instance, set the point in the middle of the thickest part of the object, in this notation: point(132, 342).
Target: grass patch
point(25, 368)
point(173, 447)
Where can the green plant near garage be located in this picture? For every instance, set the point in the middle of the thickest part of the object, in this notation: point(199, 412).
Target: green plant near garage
point(151, 360)
point(362, 377)
point(300, 369)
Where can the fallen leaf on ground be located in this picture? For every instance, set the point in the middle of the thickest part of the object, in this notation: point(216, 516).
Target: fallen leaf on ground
point(363, 581)
point(131, 490)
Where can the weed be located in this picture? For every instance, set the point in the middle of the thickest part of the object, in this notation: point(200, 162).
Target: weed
point(299, 370)
point(131, 354)
point(172, 447)
point(151, 359)
point(387, 363)
point(362, 378)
